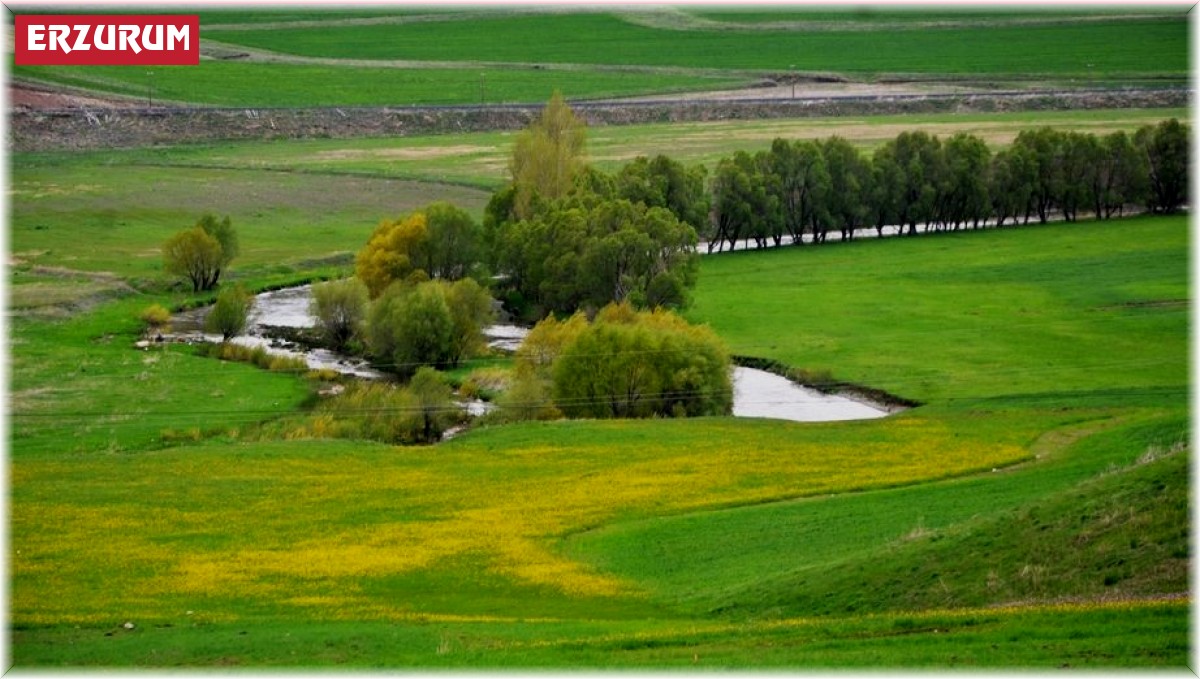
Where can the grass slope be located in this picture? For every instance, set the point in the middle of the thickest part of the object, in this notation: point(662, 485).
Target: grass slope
point(1087, 314)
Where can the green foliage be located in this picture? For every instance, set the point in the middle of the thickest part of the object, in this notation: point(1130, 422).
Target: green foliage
point(1166, 150)
point(435, 409)
point(592, 251)
point(642, 364)
point(431, 323)
point(437, 241)
point(226, 235)
point(667, 183)
point(547, 156)
point(377, 411)
point(801, 189)
point(471, 311)
point(228, 316)
point(202, 252)
point(394, 252)
point(340, 308)
point(455, 242)
point(257, 356)
point(195, 255)
point(156, 317)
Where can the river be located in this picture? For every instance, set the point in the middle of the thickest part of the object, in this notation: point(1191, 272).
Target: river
point(756, 393)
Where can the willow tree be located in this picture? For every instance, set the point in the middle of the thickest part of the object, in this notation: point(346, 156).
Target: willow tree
point(547, 156)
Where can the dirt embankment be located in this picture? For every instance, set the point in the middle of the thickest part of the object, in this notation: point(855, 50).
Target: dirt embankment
point(82, 126)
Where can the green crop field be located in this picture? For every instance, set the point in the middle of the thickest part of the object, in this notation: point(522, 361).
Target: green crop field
point(622, 41)
point(417, 57)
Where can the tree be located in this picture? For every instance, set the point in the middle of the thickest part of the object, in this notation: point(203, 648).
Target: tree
point(1011, 175)
point(745, 202)
point(589, 251)
point(1165, 149)
point(887, 188)
point(470, 312)
point(920, 163)
point(547, 156)
point(431, 323)
point(666, 183)
point(409, 326)
point(802, 183)
point(195, 255)
point(437, 241)
point(642, 364)
point(228, 316)
point(454, 241)
point(849, 192)
point(223, 231)
point(340, 308)
point(434, 405)
point(395, 251)
point(1124, 177)
point(1045, 147)
point(964, 189)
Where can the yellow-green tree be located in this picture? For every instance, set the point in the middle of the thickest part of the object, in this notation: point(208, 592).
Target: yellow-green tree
point(195, 255)
point(395, 251)
point(547, 156)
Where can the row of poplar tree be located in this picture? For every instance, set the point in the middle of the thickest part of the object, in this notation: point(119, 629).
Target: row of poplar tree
point(802, 190)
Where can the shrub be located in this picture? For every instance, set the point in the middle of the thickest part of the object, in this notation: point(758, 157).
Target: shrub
point(626, 363)
point(432, 323)
point(228, 316)
point(156, 317)
point(340, 308)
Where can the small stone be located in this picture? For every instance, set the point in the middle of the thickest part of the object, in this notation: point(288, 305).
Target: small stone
point(129, 625)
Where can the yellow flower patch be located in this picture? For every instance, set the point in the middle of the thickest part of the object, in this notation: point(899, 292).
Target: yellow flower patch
point(307, 525)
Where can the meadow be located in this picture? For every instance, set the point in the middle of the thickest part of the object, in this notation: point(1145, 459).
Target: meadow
point(420, 57)
point(1032, 512)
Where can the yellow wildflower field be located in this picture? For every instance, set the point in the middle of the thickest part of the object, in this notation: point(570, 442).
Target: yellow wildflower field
point(228, 531)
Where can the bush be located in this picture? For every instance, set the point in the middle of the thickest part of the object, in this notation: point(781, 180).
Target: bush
point(156, 317)
point(626, 363)
point(432, 323)
point(378, 411)
point(228, 316)
point(340, 308)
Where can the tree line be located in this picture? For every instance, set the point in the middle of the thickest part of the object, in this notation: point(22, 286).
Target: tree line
point(801, 190)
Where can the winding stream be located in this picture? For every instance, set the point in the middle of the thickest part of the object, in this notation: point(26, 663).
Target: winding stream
point(756, 393)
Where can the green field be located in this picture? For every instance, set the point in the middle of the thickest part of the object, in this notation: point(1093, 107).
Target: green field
point(1032, 512)
point(419, 57)
point(618, 40)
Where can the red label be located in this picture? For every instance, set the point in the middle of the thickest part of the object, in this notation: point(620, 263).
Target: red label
point(107, 39)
